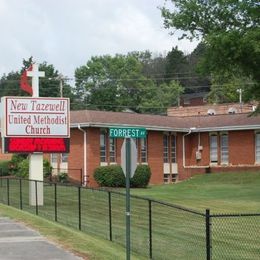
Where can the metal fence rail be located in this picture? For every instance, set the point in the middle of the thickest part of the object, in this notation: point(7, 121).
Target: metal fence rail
point(158, 230)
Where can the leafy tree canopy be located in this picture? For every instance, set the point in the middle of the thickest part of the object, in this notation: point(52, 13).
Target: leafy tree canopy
point(229, 29)
point(118, 82)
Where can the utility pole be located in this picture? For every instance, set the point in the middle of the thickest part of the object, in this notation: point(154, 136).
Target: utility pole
point(240, 98)
point(60, 77)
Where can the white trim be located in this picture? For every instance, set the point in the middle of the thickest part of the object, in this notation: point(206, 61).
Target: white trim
point(229, 128)
point(256, 133)
point(103, 163)
point(171, 129)
point(147, 127)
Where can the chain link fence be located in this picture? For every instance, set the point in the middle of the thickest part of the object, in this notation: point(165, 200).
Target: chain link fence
point(158, 230)
point(235, 236)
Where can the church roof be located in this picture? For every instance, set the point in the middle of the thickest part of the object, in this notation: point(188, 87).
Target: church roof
point(92, 118)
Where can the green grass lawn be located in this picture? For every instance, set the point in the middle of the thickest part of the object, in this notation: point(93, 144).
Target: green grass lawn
point(222, 193)
point(176, 233)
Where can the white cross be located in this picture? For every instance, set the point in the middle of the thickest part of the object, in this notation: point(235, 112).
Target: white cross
point(35, 74)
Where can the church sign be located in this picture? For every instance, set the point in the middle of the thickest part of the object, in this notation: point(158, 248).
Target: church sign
point(35, 117)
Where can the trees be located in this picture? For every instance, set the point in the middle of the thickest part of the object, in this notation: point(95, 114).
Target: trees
point(225, 88)
point(111, 83)
point(118, 82)
point(229, 29)
point(176, 63)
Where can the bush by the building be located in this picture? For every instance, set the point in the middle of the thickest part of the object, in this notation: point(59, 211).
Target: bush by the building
point(23, 169)
point(19, 166)
point(15, 161)
point(141, 177)
point(63, 177)
point(47, 168)
point(4, 168)
point(113, 176)
point(110, 176)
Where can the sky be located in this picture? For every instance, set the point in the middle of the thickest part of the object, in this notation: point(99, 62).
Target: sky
point(67, 33)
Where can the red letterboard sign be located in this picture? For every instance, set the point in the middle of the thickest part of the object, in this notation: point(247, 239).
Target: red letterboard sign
point(34, 145)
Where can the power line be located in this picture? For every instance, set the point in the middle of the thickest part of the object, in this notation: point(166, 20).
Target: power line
point(66, 79)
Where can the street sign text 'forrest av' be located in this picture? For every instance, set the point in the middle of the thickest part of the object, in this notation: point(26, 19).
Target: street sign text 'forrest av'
point(127, 132)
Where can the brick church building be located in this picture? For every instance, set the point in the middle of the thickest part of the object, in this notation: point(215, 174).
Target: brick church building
point(176, 147)
point(188, 141)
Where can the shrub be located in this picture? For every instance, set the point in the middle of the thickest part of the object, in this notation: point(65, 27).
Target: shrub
point(141, 177)
point(4, 168)
point(63, 177)
point(110, 176)
point(23, 169)
point(47, 168)
point(16, 159)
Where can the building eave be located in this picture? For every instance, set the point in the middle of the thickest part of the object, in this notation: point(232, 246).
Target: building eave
point(227, 128)
point(147, 127)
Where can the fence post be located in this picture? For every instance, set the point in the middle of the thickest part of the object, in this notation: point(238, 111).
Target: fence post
point(55, 202)
point(150, 230)
point(79, 205)
point(21, 198)
point(36, 197)
point(8, 192)
point(1, 179)
point(208, 235)
point(110, 215)
point(81, 177)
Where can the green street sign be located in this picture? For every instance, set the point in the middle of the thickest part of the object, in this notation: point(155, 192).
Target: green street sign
point(127, 132)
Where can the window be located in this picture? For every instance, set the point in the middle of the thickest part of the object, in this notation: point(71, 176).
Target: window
point(224, 148)
point(169, 148)
point(173, 149)
point(107, 148)
point(64, 157)
point(257, 147)
point(54, 158)
point(213, 148)
point(103, 157)
point(165, 149)
point(141, 147)
point(143, 144)
point(112, 150)
point(169, 158)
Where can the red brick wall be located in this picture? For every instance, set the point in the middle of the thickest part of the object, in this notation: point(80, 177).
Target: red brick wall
point(192, 142)
point(155, 153)
point(241, 147)
point(93, 154)
point(4, 156)
point(155, 156)
point(75, 158)
point(241, 153)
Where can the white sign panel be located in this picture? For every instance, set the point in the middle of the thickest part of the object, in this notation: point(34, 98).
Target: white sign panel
point(133, 157)
point(35, 117)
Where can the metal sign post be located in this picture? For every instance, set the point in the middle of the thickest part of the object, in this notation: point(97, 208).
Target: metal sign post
point(128, 163)
point(127, 182)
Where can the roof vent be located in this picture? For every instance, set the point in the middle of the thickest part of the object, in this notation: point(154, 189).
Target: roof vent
point(211, 112)
point(232, 110)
